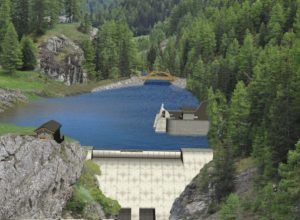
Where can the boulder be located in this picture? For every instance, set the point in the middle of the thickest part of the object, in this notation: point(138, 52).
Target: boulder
point(36, 176)
point(61, 59)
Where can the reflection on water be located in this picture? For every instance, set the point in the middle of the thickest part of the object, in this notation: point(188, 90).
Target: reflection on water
point(121, 118)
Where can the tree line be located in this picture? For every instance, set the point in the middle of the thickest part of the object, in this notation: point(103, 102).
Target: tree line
point(140, 15)
point(21, 20)
point(243, 57)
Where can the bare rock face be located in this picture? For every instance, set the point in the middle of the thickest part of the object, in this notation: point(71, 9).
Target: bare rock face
point(61, 59)
point(36, 176)
point(194, 202)
point(10, 97)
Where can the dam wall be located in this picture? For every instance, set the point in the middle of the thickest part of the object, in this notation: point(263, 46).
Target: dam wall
point(136, 154)
point(148, 180)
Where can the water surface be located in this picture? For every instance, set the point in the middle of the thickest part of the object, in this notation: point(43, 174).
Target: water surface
point(113, 119)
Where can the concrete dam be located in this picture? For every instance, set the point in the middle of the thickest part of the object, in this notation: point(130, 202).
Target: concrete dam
point(146, 183)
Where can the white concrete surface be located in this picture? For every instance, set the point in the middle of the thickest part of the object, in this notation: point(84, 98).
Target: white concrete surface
point(147, 182)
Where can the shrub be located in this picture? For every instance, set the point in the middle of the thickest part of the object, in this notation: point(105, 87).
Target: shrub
point(86, 191)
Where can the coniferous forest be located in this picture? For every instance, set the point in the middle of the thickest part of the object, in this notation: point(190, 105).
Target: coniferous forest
point(243, 56)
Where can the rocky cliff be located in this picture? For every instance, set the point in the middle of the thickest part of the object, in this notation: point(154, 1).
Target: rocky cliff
point(9, 98)
point(194, 202)
point(62, 60)
point(36, 176)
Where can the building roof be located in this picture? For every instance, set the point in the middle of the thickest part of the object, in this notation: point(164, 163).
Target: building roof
point(188, 110)
point(51, 126)
point(200, 112)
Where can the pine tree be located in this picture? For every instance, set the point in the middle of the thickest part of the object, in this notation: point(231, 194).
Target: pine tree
point(54, 8)
point(39, 14)
point(21, 16)
point(5, 18)
point(28, 53)
point(89, 55)
point(72, 8)
point(296, 24)
point(247, 59)
point(11, 58)
point(199, 81)
point(275, 25)
point(238, 125)
point(151, 57)
point(85, 25)
point(223, 174)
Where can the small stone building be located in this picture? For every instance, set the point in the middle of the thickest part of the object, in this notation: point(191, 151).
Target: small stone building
point(50, 131)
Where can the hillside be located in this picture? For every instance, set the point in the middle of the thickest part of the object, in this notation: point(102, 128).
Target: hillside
point(243, 57)
point(140, 15)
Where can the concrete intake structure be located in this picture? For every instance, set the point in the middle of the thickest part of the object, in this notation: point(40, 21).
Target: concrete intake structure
point(148, 180)
point(186, 121)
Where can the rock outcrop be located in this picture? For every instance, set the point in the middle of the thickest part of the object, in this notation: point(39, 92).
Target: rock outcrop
point(9, 97)
point(194, 202)
point(36, 176)
point(62, 60)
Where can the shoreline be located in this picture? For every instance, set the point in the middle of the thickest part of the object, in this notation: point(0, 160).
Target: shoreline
point(135, 81)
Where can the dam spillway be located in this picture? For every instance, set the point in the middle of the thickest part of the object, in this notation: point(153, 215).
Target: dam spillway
point(150, 180)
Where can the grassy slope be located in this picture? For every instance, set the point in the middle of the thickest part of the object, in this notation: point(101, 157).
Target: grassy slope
point(69, 30)
point(8, 128)
point(34, 83)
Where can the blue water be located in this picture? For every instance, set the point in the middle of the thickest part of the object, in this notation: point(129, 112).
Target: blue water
point(113, 119)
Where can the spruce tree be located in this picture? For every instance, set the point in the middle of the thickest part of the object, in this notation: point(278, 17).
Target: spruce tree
point(199, 80)
point(21, 16)
point(28, 53)
point(151, 57)
point(11, 58)
point(238, 125)
point(5, 18)
point(39, 13)
point(223, 174)
point(275, 25)
point(247, 59)
point(89, 55)
point(72, 8)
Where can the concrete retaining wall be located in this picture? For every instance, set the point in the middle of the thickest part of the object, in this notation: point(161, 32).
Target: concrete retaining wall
point(187, 127)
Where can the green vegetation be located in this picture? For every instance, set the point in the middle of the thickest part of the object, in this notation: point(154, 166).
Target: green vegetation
point(115, 51)
point(140, 15)
point(28, 54)
point(86, 191)
point(34, 84)
point(243, 57)
point(11, 57)
point(8, 128)
point(69, 30)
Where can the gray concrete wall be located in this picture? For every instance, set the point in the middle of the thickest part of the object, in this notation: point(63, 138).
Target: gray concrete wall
point(187, 127)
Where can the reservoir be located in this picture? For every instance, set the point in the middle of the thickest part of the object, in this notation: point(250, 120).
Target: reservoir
point(111, 119)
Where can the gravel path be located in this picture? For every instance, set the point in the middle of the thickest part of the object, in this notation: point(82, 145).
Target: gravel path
point(136, 81)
